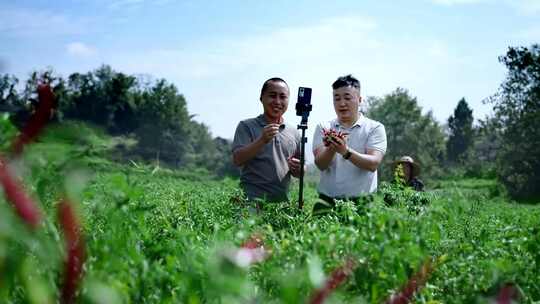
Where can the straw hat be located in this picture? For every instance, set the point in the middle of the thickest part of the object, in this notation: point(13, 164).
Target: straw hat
point(409, 160)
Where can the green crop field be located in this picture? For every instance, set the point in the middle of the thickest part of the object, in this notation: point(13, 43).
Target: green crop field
point(154, 235)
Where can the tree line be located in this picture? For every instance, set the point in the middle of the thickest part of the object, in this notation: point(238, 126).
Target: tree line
point(151, 111)
point(505, 145)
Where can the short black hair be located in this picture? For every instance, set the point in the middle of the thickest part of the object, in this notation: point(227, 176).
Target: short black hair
point(267, 83)
point(346, 81)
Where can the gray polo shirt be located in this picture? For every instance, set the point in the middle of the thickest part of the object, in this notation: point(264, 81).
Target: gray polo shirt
point(342, 178)
point(267, 175)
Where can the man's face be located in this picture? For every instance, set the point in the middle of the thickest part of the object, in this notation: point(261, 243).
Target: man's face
point(275, 99)
point(346, 103)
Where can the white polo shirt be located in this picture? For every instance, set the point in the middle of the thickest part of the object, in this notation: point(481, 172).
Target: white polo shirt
point(342, 178)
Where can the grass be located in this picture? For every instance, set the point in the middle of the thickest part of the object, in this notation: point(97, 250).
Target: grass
point(163, 236)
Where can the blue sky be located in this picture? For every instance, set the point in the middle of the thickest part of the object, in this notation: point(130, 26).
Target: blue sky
point(218, 53)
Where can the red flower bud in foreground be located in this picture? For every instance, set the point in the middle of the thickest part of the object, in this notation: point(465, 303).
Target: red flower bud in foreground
point(254, 241)
point(14, 192)
point(75, 251)
point(250, 252)
point(337, 277)
point(508, 294)
point(38, 120)
point(415, 283)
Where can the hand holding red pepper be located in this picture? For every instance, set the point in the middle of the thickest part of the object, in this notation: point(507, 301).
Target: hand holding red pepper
point(335, 140)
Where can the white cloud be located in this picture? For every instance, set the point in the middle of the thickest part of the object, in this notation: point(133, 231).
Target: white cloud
point(80, 49)
point(531, 34)
point(221, 79)
point(121, 4)
point(332, 39)
point(456, 2)
point(439, 50)
point(32, 22)
point(527, 7)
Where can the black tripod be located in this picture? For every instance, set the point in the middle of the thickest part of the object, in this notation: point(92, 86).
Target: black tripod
point(303, 107)
point(303, 141)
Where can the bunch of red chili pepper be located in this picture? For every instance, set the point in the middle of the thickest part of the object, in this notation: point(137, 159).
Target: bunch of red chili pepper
point(27, 209)
point(338, 276)
point(330, 135)
point(415, 283)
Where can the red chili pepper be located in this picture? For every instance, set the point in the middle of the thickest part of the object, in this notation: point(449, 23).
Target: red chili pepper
point(507, 294)
point(329, 135)
point(38, 120)
point(415, 283)
point(15, 194)
point(75, 251)
point(337, 277)
point(254, 241)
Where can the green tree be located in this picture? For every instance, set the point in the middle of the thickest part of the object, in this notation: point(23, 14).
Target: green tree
point(121, 107)
point(483, 153)
point(28, 99)
point(517, 111)
point(46, 76)
point(224, 165)
point(461, 136)
point(164, 124)
point(103, 97)
point(9, 97)
point(202, 150)
point(408, 131)
point(154, 112)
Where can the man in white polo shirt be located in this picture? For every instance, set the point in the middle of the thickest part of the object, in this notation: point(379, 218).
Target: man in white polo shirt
point(348, 163)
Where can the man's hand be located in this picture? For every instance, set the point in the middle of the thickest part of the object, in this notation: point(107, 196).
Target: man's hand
point(269, 132)
point(294, 166)
point(338, 145)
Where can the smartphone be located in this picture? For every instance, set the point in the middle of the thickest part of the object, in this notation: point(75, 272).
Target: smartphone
point(303, 105)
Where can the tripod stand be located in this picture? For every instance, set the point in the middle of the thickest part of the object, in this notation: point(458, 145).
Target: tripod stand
point(303, 141)
point(303, 107)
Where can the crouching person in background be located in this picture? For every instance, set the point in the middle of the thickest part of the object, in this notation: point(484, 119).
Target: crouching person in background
point(407, 172)
point(347, 149)
point(265, 148)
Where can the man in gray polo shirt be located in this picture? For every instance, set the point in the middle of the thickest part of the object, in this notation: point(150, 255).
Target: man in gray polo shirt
point(348, 164)
point(266, 148)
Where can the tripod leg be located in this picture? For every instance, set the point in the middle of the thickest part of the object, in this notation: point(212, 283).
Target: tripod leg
point(303, 140)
